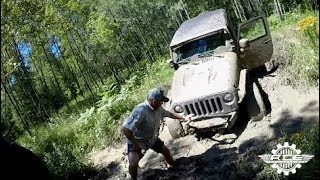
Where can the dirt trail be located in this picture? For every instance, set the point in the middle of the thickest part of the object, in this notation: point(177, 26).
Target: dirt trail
point(292, 109)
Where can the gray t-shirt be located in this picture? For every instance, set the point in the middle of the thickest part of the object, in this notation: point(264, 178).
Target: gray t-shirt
point(144, 122)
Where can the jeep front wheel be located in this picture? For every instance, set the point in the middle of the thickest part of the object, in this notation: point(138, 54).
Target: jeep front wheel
point(255, 105)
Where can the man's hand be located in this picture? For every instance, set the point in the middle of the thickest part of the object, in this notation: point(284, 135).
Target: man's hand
point(130, 136)
point(188, 118)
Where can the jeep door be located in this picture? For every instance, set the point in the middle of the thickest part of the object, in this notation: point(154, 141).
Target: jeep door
point(258, 49)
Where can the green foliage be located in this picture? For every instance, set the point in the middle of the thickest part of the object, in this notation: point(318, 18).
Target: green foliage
point(9, 129)
point(310, 29)
point(301, 65)
point(308, 142)
point(64, 144)
point(274, 23)
point(294, 50)
point(290, 17)
point(58, 146)
point(268, 173)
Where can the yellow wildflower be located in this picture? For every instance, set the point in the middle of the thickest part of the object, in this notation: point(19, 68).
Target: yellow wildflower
point(307, 22)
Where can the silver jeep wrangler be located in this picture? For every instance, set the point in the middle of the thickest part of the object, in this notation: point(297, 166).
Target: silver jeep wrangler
point(211, 61)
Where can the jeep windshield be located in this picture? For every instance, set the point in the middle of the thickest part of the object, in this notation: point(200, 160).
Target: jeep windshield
point(201, 46)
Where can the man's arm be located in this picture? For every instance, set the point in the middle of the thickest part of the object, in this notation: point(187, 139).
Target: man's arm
point(133, 122)
point(177, 116)
point(130, 136)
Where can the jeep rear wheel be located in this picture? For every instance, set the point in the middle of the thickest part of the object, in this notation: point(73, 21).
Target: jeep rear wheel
point(175, 128)
point(255, 105)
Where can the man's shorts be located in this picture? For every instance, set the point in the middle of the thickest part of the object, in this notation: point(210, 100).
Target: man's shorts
point(157, 147)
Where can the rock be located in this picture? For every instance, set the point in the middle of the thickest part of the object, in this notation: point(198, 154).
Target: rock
point(230, 141)
point(228, 138)
point(286, 82)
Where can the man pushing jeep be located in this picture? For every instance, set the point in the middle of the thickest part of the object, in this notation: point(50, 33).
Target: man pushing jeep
point(142, 126)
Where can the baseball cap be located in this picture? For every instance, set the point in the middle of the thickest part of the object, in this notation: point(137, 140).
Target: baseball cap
point(157, 94)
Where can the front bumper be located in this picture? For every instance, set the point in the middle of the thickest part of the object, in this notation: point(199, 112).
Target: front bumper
point(214, 123)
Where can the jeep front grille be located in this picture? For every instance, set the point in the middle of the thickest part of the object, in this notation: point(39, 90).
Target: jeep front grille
point(204, 107)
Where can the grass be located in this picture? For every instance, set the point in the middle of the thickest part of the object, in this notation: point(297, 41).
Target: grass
point(298, 56)
point(249, 166)
point(295, 50)
point(308, 142)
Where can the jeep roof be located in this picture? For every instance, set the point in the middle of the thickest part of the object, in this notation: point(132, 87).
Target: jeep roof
point(199, 26)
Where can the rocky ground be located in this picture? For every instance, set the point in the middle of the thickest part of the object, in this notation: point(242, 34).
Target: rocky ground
point(211, 156)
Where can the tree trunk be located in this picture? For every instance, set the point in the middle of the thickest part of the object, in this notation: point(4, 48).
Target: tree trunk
point(24, 84)
point(245, 9)
point(94, 66)
point(12, 102)
point(278, 10)
point(239, 11)
point(74, 77)
point(81, 57)
point(39, 100)
point(43, 79)
point(81, 72)
point(114, 71)
point(185, 10)
point(139, 32)
point(51, 67)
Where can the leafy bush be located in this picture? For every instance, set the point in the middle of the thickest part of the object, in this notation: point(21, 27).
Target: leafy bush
point(64, 144)
point(291, 17)
point(274, 22)
point(294, 50)
point(310, 28)
point(57, 146)
point(268, 173)
point(308, 142)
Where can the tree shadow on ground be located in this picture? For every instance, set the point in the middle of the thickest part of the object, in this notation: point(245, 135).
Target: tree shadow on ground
point(221, 162)
point(108, 171)
point(289, 124)
point(157, 160)
point(215, 163)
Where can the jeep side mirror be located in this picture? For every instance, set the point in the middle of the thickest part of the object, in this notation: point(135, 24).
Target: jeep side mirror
point(243, 43)
point(175, 66)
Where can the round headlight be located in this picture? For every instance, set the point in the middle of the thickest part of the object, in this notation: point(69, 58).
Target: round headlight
point(228, 97)
point(178, 109)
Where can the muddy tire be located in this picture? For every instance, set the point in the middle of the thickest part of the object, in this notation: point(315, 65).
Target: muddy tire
point(175, 128)
point(256, 108)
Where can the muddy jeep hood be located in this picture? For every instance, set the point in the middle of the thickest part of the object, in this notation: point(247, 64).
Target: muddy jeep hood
point(204, 77)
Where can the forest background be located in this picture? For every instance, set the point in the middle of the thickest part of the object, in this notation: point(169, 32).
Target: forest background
point(72, 70)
